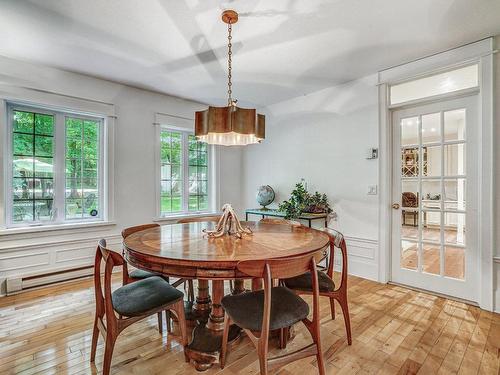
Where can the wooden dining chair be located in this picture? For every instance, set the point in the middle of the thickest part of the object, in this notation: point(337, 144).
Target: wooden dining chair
point(274, 308)
point(138, 274)
point(128, 304)
point(303, 284)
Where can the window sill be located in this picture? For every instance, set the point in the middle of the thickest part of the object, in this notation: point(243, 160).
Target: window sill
point(55, 227)
point(184, 215)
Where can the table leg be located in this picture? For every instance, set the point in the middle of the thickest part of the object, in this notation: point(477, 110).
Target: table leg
point(201, 305)
point(246, 216)
point(256, 284)
point(216, 317)
point(204, 349)
point(239, 287)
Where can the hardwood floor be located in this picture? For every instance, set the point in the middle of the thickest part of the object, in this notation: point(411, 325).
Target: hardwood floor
point(395, 331)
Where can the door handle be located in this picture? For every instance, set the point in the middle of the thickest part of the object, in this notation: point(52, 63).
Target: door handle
point(395, 206)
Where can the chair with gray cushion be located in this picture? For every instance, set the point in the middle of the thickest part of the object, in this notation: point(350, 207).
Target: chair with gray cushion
point(274, 308)
point(131, 302)
point(303, 284)
point(138, 274)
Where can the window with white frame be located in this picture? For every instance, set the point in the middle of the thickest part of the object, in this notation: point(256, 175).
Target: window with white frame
point(184, 173)
point(435, 84)
point(55, 172)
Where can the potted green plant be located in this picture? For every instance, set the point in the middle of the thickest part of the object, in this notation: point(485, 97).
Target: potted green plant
point(302, 202)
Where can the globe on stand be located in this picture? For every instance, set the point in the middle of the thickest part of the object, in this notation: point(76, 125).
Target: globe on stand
point(265, 196)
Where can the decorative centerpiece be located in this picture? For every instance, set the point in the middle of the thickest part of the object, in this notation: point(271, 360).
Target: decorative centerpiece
point(228, 224)
point(265, 196)
point(302, 202)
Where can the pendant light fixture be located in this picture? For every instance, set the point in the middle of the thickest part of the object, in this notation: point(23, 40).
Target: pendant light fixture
point(231, 125)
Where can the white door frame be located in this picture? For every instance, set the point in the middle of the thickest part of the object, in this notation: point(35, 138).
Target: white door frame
point(481, 53)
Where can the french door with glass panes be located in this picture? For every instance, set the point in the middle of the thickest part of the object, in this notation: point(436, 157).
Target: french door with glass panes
point(435, 197)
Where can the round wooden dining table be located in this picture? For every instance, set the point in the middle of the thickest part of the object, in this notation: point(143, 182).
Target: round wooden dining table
point(184, 251)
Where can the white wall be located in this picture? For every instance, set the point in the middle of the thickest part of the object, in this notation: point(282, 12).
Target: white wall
point(324, 138)
point(134, 168)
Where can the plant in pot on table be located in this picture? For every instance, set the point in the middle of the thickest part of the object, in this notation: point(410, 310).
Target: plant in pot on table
point(301, 202)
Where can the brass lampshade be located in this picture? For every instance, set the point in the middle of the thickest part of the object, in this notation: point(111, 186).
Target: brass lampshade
point(231, 125)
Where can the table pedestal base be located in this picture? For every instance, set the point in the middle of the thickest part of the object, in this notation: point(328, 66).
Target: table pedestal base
point(192, 315)
point(205, 346)
point(204, 349)
point(199, 309)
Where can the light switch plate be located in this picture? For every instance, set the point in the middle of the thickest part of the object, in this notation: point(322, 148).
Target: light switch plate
point(372, 189)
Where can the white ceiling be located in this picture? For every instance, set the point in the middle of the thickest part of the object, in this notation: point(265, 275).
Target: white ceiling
point(282, 48)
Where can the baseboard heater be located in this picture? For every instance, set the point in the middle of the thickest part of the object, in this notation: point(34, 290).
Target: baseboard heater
point(18, 284)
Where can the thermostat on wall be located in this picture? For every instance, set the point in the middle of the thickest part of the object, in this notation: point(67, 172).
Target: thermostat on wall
point(372, 154)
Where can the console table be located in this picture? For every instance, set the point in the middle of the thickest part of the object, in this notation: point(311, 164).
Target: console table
point(275, 213)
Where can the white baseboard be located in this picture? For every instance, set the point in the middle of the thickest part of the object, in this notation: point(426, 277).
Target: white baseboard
point(18, 284)
point(496, 286)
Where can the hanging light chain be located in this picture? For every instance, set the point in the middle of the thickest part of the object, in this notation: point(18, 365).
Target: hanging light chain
point(229, 61)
